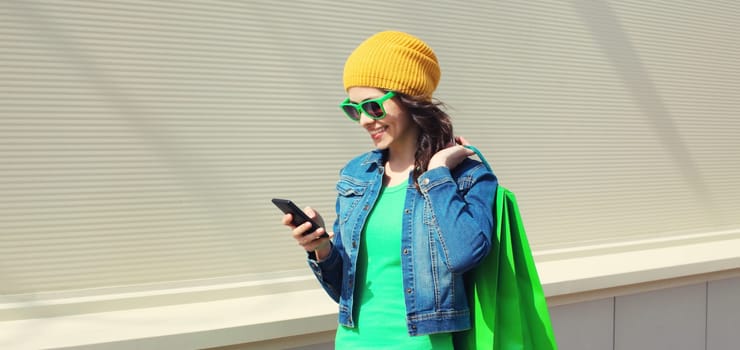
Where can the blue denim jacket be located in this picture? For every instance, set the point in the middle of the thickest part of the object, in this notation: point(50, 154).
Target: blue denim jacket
point(446, 232)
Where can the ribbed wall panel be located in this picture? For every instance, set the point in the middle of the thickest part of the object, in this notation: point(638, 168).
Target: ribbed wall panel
point(141, 141)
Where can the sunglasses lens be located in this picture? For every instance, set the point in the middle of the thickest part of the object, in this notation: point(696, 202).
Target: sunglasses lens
point(373, 109)
point(351, 112)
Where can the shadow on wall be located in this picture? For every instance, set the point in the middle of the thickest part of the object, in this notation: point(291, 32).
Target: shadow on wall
point(608, 33)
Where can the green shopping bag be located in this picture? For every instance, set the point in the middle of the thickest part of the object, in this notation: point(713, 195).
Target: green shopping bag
point(507, 304)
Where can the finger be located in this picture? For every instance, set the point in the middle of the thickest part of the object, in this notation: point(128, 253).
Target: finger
point(469, 152)
point(310, 212)
point(287, 220)
point(312, 245)
point(318, 233)
point(300, 232)
point(318, 243)
point(305, 241)
point(310, 242)
point(314, 214)
point(460, 149)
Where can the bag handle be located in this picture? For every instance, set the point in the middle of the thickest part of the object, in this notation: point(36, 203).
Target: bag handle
point(480, 155)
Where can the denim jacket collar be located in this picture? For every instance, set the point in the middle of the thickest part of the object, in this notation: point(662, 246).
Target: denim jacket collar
point(376, 157)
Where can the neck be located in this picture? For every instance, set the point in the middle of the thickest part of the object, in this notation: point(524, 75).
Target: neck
point(402, 154)
point(401, 160)
point(398, 166)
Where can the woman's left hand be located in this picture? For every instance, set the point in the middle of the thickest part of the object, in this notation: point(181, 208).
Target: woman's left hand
point(451, 156)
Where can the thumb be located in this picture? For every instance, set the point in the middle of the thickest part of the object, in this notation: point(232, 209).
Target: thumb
point(461, 140)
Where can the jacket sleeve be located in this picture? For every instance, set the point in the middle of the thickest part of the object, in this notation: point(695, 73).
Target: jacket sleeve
point(464, 217)
point(329, 270)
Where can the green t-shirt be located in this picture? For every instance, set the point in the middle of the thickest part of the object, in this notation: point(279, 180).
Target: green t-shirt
point(380, 309)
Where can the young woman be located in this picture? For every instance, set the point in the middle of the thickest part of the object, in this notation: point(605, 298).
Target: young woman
point(413, 214)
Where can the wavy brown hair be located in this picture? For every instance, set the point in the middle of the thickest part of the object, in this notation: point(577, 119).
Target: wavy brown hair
point(435, 129)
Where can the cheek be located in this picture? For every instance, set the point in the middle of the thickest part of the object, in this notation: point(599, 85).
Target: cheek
point(404, 122)
point(395, 108)
point(399, 115)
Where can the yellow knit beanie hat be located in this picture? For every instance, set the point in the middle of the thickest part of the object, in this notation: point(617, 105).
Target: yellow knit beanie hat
point(393, 61)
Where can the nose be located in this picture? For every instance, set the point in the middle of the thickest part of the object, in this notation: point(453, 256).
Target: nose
point(365, 120)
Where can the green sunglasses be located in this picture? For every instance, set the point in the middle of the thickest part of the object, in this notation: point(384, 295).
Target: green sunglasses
point(372, 108)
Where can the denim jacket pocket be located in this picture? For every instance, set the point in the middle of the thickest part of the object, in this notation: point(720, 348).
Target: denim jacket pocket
point(350, 192)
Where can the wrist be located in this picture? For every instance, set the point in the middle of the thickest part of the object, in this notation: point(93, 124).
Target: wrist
point(320, 253)
point(433, 165)
point(440, 166)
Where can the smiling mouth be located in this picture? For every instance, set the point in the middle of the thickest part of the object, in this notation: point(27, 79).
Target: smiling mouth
point(375, 133)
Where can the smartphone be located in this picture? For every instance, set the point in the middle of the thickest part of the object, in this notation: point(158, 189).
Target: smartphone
point(299, 217)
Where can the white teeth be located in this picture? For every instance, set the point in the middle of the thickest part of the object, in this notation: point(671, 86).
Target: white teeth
point(379, 130)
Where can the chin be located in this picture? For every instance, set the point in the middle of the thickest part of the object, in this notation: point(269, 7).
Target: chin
point(382, 145)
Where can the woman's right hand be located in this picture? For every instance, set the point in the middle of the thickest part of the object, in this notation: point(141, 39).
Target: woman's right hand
point(452, 155)
point(312, 242)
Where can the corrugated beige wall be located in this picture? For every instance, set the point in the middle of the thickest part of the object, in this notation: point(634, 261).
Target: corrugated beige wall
point(141, 141)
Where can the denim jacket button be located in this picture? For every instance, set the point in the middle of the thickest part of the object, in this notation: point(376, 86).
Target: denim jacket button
point(409, 291)
point(406, 251)
point(407, 211)
point(425, 182)
point(354, 244)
